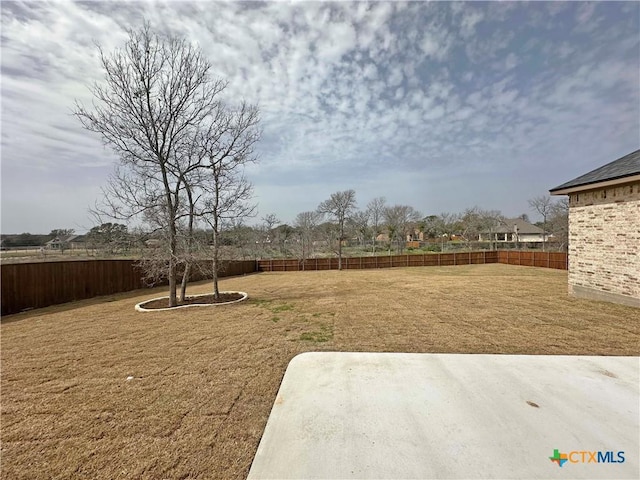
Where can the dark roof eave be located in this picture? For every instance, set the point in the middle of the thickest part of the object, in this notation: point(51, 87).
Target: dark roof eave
point(623, 167)
point(570, 188)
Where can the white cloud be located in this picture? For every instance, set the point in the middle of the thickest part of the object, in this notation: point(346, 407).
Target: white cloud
point(350, 94)
point(469, 21)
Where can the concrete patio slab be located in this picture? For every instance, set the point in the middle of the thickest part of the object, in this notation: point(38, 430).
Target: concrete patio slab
point(427, 416)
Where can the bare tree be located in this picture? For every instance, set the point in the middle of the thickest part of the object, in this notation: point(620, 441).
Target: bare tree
point(491, 221)
point(157, 90)
point(340, 205)
point(269, 223)
point(306, 223)
point(375, 208)
point(228, 146)
point(432, 226)
point(398, 219)
point(109, 238)
point(327, 233)
point(449, 224)
point(543, 205)
point(360, 223)
point(243, 238)
point(559, 222)
point(476, 222)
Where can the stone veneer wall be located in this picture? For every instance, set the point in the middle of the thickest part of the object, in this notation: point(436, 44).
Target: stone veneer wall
point(604, 244)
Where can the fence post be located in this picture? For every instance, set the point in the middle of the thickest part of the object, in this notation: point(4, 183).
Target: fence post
point(548, 259)
point(454, 258)
point(271, 265)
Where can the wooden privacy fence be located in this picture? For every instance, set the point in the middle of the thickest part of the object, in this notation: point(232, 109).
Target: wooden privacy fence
point(559, 260)
point(36, 285)
point(532, 259)
point(424, 260)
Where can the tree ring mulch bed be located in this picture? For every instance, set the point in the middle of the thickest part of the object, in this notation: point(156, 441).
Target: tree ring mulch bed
point(204, 300)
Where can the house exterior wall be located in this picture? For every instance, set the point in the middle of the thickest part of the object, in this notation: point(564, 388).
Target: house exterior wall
point(531, 237)
point(511, 237)
point(604, 244)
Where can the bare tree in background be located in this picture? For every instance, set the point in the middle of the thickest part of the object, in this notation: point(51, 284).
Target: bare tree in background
point(398, 219)
point(228, 146)
point(109, 238)
point(476, 222)
point(269, 223)
point(306, 223)
point(543, 205)
point(341, 206)
point(360, 223)
point(156, 91)
point(559, 222)
point(432, 226)
point(492, 221)
point(375, 208)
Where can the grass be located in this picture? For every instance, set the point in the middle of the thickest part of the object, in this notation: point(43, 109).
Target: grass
point(323, 334)
point(204, 379)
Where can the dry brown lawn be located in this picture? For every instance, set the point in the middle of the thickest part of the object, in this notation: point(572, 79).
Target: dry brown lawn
point(205, 378)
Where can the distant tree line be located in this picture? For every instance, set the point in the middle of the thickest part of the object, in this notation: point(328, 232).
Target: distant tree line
point(337, 224)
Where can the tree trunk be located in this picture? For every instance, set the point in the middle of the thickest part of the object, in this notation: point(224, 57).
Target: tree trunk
point(185, 279)
point(187, 267)
point(216, 290)
point(216, 265)
point(172, 282)
point(340, 247)
point(216, 261)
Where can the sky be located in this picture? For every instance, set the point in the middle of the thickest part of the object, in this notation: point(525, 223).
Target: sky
point(441, 106)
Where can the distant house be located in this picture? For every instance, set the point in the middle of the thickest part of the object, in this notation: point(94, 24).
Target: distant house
point(54, 244)
point(514, 230)
point(153, 243)
point(77, 242)
point(604, 231)
point(64, 243)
